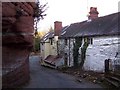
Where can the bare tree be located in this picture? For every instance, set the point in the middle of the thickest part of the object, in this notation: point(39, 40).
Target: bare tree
point(39, 13)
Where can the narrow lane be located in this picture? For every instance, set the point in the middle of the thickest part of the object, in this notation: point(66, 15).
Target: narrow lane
point(42, 77)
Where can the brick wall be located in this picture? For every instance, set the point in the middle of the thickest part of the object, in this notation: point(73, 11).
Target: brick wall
point(57, 27)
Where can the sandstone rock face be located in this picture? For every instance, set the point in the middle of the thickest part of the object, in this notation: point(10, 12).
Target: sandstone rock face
point(15, 67)
point(17, 40)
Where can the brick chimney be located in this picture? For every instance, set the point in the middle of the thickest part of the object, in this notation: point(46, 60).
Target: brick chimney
point(93, 14)
point(57, 27)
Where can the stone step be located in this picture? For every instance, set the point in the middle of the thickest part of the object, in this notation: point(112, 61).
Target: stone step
point(114, 78)
point(111, 82)
point(115, 74)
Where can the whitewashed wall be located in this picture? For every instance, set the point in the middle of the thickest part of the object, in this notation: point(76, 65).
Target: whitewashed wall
point(53, 47)
point(71, 63)
point(48, 49)
point(67, 49)
point(61, 46)
point(64, 49)
point(59, 63)
point(104, 47)
point(45, 49)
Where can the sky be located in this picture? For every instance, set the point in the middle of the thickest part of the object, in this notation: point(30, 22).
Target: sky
point(72, 11)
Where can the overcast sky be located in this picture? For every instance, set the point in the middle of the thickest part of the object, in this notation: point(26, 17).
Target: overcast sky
point(71, 11)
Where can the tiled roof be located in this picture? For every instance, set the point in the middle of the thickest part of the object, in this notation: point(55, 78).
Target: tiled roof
point(71, 30)
point(52, 33)
point(107, 25)
point(47, 36)
point(63, 31)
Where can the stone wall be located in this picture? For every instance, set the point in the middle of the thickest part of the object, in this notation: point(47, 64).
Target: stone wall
point(17, 41)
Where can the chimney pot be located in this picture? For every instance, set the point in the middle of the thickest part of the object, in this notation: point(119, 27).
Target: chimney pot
point(93, 13)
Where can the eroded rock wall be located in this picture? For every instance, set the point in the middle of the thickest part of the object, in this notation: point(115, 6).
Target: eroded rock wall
point(17, 42)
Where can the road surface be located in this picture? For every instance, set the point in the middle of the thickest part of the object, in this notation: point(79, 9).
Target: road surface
point(43, 77)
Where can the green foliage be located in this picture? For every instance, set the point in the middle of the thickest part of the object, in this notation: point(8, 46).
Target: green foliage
point(39, 13)
point(77, 44)
point(36, 44)
point(83, 54)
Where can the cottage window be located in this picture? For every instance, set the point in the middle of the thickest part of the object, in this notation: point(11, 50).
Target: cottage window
point(88, 40)
point(65, 41)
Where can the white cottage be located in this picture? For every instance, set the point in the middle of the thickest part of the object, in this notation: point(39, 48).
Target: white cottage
point(103, 34)
point(68, 46)
point(65, 43)
point(102, 37)
point(46, 45)
point(49, 48)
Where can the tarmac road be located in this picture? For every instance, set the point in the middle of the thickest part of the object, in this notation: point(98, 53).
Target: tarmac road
point(43, 77)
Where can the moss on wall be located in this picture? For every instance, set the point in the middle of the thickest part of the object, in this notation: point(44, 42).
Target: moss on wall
point(77, 44)
point(83, 53)
point(37, 44)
